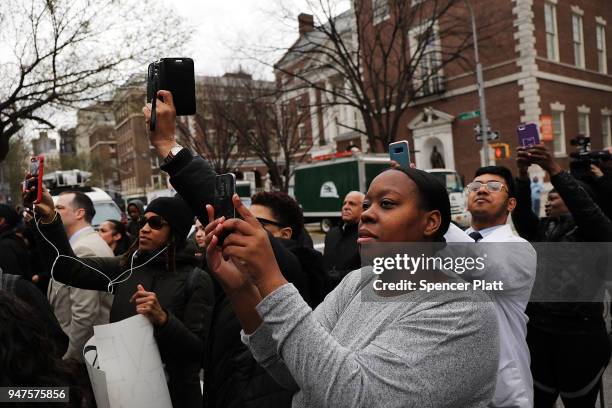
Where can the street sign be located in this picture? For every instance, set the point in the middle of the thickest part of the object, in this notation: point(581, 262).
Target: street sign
point(492, 136)
point(468, 115)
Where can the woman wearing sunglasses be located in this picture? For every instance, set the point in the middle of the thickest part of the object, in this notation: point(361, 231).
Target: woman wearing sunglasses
point(154, 278)
point(406, 349)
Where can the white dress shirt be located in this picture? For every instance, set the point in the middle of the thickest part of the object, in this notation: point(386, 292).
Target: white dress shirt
point(515, 265)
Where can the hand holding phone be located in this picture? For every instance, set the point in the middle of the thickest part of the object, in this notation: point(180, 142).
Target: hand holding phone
point(32, 185)
point(175, 75)
point(528, 135)
point(400, 153)
point(225, 188)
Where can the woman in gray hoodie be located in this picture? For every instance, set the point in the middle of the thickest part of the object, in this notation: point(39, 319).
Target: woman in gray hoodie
point(404, 349)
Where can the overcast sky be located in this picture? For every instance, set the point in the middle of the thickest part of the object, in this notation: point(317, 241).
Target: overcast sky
point(224, 27)
point(226, 32)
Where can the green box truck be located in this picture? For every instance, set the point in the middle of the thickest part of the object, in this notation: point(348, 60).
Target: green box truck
point(320, 187)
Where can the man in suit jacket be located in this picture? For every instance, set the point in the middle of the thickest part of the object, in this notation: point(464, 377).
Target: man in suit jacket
point(491, 200)
point(78, 310)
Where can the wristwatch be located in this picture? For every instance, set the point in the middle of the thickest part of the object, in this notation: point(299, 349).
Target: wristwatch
point(173, 152)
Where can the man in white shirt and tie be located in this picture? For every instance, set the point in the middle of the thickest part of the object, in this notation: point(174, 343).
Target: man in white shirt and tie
point(490, 201)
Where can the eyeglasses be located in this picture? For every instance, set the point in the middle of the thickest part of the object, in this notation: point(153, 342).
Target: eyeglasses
point(156, 222)
point(492, 186)
point(265, 222)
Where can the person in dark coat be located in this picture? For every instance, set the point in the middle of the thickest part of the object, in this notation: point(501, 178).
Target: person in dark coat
point(282, 217)
point(30, 358)
point(233, 379)
point(14, 252)
point(155, 279)
point(568, 342)
point(341, 254)
point(29, 294)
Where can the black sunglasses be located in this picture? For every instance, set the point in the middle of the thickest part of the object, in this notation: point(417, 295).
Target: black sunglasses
point(156, 222)
point(264, 222)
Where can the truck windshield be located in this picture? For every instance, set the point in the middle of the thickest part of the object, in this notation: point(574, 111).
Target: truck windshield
point(105, 211)
point(450, 180)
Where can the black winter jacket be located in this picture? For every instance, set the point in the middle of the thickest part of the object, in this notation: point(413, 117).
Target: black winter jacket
point(14, 254)
point(585, 223)
point(233, 379)
point(182, 339)
point(30, 295)
point(341, 254)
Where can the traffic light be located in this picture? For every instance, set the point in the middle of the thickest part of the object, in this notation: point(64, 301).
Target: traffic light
point(502, 150)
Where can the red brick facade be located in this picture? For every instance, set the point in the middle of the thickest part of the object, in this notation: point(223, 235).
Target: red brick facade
point(521, 83)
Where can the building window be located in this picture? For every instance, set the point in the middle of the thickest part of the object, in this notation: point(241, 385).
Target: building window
point(606, 132)
point(302, 135)
point(154, 159)
point(583, 124)
point(552, 41)
point(578, 41)
point(428, 78)
point(156, 181)
point(601, 49)
point(558, 132)
point(380, 11)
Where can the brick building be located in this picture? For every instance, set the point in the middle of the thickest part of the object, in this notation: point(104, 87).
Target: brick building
point(138, 163)
point(328, 127)
point(552, 61)
point(227, 106)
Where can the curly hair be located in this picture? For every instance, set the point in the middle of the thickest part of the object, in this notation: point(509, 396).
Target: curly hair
point(284, 208)
point(28, 357)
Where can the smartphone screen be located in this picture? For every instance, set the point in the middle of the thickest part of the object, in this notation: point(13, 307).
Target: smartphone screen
point(225, 188)
point(36, 172)
point(399, 152)
point(528, 134)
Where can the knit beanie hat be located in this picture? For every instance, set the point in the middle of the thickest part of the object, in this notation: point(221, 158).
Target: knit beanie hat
point(176, 212)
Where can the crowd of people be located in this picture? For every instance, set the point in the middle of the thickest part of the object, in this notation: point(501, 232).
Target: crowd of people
point(272, 322)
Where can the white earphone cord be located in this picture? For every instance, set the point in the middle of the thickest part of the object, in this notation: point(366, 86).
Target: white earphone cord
point(111, 282)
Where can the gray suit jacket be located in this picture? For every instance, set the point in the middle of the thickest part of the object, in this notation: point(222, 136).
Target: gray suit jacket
point(78, 310)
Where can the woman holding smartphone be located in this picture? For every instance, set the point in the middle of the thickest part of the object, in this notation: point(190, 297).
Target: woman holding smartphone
point(153, 278)
point(409, 348)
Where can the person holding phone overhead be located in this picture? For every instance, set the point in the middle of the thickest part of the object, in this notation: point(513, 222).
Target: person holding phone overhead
point(233, 378)
point(153, 278)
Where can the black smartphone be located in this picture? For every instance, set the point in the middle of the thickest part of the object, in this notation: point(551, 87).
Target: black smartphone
point(177, 76)
point(225, 188)
point(35, 179)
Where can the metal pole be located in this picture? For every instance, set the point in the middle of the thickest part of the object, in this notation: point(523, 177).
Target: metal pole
point(484, 123)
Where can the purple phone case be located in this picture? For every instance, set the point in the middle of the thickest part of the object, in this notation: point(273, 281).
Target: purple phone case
point(528, 134)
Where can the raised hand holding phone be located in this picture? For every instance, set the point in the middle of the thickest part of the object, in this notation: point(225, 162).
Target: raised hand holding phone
point(33, 181)
point(163, 138)
point(528, 134)
point(225, 188)
point(399, 152)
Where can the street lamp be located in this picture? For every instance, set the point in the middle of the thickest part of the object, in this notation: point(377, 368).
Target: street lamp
point(484, 123)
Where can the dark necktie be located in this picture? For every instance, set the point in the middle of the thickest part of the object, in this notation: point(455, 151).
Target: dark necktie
point(475, 235)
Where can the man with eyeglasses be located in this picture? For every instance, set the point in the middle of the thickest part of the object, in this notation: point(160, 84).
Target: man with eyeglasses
point(491, 199)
